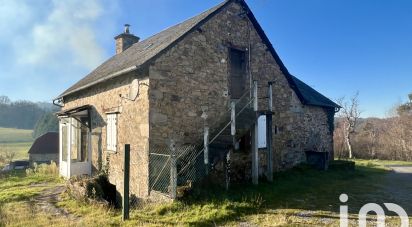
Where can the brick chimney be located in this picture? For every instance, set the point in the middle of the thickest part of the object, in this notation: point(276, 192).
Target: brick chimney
point(125, 40)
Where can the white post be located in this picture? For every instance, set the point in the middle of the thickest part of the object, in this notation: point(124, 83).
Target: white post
point(233, 118)
point(255, 96)
point(69, 147)
point(60, 146)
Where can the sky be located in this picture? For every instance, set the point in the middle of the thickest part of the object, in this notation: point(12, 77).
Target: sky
point(337, 47)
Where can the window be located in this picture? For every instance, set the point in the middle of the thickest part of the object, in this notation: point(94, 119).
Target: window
point(74, 139)
point(65, 134)
point(262, 131)
point(237, 73)
point(111, 132)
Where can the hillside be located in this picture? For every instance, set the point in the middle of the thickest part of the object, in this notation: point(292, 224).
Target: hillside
point(22, 114)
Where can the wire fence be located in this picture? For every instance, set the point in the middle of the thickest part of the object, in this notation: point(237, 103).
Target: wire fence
point(174, 170)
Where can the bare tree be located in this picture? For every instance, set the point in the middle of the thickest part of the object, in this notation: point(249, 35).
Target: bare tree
point(339, 140)
point(4, 99)
point(350, 113)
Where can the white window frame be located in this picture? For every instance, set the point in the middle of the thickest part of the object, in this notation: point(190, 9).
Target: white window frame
point(262, 143)
point(111, 132)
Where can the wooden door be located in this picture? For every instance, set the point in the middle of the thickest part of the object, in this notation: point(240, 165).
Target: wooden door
point(237, 73)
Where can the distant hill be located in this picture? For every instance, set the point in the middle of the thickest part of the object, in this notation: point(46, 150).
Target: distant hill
point(22, 114)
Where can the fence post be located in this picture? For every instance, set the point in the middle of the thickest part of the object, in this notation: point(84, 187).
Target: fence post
point(233, 118)
point(125, 205)
point(206, 150)
point(227, 170)
point(173, 171)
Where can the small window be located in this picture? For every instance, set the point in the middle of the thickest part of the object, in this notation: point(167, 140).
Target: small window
point(111, 132)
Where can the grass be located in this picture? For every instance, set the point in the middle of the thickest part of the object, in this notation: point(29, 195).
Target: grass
point(17, 191)
point(17, 141)
point(12, 135)
point(298, 197)
point(19, 148)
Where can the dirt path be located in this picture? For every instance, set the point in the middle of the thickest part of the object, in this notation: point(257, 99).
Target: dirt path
point(46, 202)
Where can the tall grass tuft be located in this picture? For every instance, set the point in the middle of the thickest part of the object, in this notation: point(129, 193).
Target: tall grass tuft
point(43, 169)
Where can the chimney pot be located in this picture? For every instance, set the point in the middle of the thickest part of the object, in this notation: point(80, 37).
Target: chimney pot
point(125, 39)
point(126, 28)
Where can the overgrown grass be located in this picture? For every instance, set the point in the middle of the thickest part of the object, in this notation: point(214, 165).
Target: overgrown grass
point(301, 196)
point(18, 188)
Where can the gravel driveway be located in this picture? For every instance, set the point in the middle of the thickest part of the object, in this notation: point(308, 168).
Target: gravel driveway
point(398, 186)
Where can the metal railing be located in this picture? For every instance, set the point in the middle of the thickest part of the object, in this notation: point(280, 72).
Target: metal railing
point(173, 170)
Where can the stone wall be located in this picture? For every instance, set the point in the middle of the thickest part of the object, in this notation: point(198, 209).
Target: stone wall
point(190, 80)
point(189, 88)
point(133, 129)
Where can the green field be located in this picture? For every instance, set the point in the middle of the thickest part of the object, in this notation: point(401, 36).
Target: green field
point(17, 141)
point(12, 135)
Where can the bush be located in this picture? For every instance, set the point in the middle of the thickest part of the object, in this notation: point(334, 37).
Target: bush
point(95, 189)
point(44, 169)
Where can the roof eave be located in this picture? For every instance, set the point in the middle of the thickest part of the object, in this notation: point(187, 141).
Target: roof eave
point(110, 76)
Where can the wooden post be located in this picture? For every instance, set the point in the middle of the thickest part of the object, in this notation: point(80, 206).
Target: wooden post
point(173, 171)
point(255, 155)
point(206, 150)
point(227, 169)
point(125, 202)
point(269, 136)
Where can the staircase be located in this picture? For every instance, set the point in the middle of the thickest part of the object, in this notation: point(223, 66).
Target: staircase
point(197, 162)
point(223, 141)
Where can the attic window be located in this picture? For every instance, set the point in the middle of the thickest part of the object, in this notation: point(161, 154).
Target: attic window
point(112, 132)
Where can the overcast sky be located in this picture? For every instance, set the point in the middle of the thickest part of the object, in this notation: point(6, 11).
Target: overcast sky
point(337, 47)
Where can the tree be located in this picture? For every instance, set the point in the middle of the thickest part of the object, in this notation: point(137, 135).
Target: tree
point(405, 109)
point(47, 123)
point(350, 113)
point(4, 100)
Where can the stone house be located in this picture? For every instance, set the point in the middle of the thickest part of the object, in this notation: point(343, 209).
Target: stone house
point(45, 149)
point(203, 82)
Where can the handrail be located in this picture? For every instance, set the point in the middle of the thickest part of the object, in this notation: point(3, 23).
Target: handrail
point(223, 129)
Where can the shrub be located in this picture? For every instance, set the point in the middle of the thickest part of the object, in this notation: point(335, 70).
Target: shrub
point(43, 169)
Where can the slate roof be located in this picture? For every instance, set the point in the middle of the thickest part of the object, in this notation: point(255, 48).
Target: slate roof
point(48, 143)
point(143, 52)
point(310, 96)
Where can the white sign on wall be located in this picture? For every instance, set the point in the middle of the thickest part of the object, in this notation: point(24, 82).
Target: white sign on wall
point(262, 131)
